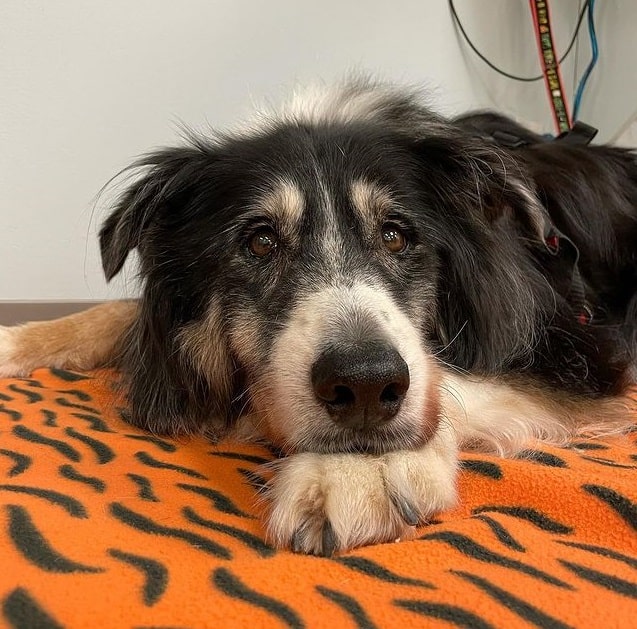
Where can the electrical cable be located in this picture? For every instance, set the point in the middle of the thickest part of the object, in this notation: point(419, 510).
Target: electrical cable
point(471, 45)
point(577, 101)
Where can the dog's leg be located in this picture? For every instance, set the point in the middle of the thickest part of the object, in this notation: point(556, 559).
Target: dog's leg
point(321, 503)
point(492, 415)
point(84, 340)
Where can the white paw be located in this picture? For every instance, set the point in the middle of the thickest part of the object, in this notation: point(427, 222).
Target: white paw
point(8, 366)
point(322, 503)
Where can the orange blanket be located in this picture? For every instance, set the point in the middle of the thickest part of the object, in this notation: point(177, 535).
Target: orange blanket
point(104, 526)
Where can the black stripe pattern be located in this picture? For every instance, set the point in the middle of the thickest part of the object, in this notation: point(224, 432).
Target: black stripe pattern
point(68, 471)
point(471, 548)
point(22, 462)
point(219, 501)
point(526, 611)
point(103, 452)
point(150, 461)
point(154, 572)
point(483, 468)
point(35, 437)
point(31, 543)
point(22, 611)
point(158, 502)
point(449, 613)
point(535, 517)
point(373, 569)
point(232, 586)
point(144, 486)
point(251, 541)
point(72, 506)
point(349, 604)
point(144, 524)
point(625, 508)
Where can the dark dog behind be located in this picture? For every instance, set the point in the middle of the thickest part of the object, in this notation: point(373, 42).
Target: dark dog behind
point(369, 286)
point(590, 195)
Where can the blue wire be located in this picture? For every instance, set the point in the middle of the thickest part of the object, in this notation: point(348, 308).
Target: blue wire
point(595, 55)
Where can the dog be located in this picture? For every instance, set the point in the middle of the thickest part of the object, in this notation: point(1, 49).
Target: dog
point(371, 287)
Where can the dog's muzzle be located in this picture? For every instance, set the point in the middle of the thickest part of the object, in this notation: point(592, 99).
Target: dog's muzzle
point(362, 385)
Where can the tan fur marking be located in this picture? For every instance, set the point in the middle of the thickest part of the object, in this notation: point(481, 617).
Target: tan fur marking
point(84, 340)
point(370, 201)
point(245, 333)
point(285, 203)
point(203, 344)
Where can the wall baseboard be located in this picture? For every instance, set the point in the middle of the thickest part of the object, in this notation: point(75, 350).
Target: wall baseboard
point(14, 312)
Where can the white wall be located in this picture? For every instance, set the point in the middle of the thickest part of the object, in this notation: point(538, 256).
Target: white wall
point(87, 86)
point(503, 30)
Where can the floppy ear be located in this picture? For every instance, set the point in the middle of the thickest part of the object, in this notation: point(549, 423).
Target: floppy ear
point(173, 385)
point(169, 177)
point(490, 291)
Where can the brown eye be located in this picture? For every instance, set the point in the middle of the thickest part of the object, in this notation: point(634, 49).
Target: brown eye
point(393, 237)
point(262, 243)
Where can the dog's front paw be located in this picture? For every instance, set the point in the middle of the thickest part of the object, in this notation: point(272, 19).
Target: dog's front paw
point(322, 503)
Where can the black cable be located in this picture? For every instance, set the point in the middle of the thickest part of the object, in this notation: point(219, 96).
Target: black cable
point(498, 70)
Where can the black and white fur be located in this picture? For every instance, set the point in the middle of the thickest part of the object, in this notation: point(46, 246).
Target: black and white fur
point(367, 363)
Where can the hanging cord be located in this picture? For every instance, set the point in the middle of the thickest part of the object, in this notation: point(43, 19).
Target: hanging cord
point(471, 45)
point(577, 101)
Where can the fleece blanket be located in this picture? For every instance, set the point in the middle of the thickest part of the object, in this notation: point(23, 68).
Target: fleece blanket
point(102, 525)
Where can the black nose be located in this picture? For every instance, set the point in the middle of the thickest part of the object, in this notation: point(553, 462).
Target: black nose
point(361, 385)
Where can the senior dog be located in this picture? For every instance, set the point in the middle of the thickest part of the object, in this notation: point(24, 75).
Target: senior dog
point(371, 287)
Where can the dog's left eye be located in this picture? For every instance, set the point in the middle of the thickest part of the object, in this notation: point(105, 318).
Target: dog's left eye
point(393, 237)
point(263, 243)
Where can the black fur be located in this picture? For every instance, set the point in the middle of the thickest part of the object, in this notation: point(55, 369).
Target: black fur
point(478, 278)
point(590, 194)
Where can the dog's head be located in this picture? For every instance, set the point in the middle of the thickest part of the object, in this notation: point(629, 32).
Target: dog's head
point(320, 271)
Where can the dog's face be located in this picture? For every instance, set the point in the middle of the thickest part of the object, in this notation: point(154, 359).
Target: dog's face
point(330, 285)
point(319, 273)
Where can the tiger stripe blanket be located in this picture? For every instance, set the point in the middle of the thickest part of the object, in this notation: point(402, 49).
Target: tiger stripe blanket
point(103, 525)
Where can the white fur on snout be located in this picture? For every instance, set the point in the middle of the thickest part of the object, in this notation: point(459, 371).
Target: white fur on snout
point(359, 496)
point(8, 367)
point(335, 313)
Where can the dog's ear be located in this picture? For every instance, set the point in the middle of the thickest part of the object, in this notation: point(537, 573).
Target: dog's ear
point(490, 180)
point(176, 362)
point(168, 178)
point(488, 309)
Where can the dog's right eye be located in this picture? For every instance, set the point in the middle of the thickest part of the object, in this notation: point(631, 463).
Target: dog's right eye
point(394, 238)
point(263, 243)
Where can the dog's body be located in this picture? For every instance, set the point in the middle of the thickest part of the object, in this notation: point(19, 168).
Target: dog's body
point(370, 287)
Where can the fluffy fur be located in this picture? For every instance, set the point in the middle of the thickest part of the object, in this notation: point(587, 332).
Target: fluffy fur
point(371, 287)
